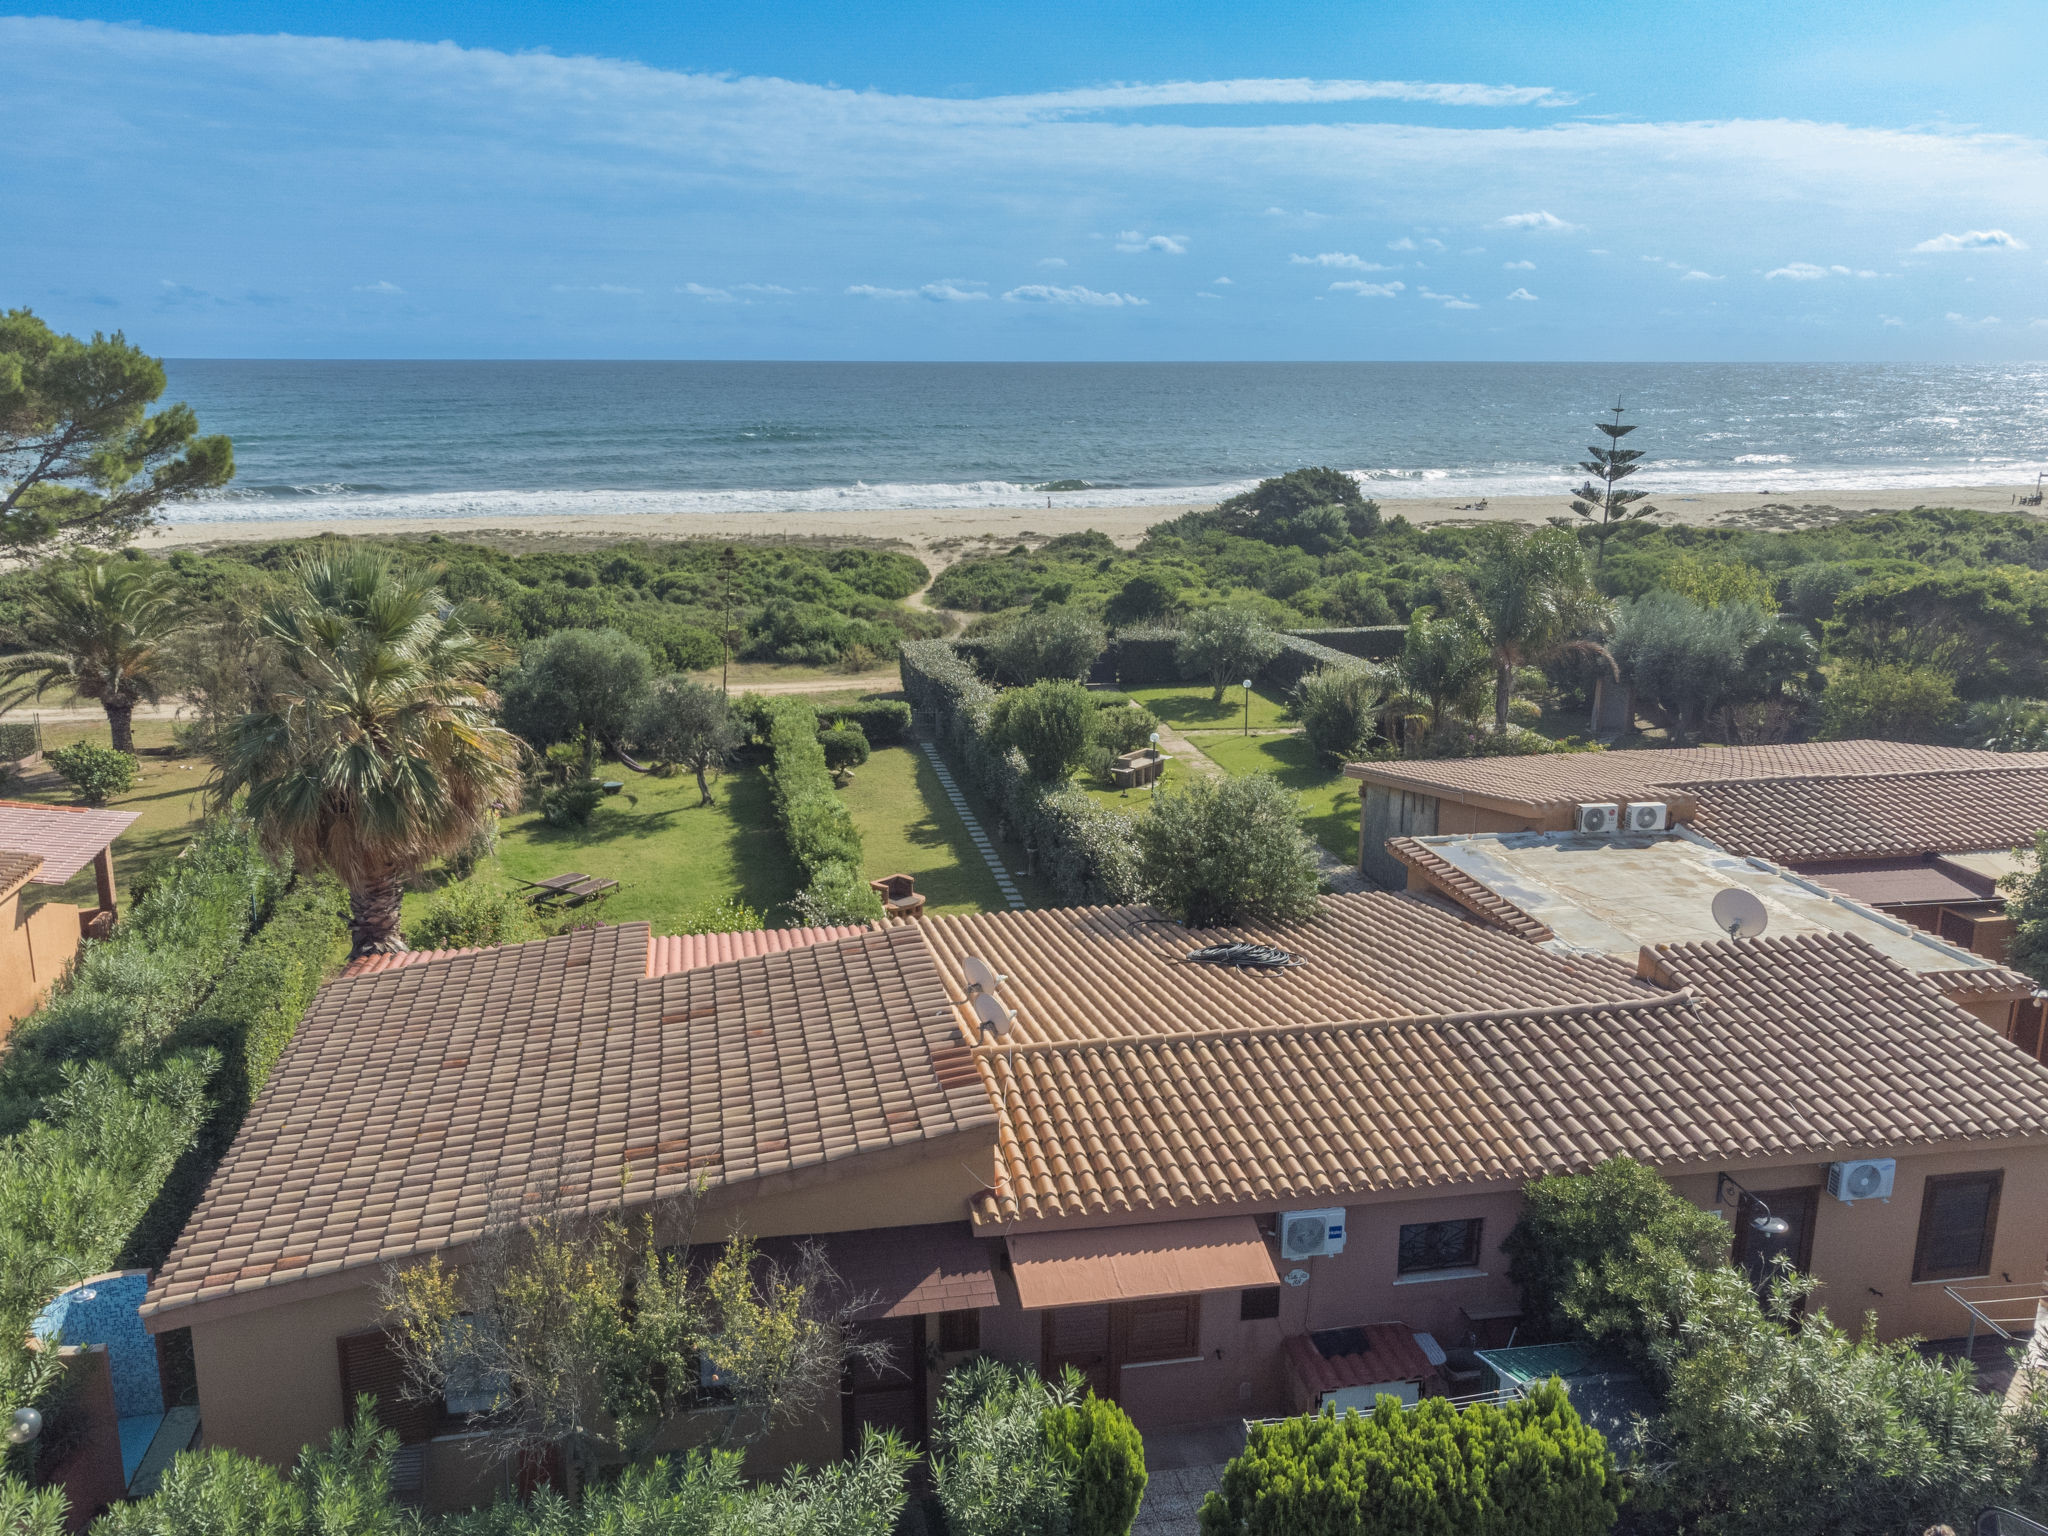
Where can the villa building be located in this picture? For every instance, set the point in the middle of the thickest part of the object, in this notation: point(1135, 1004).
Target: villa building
point(46, 845)
point(1217, 1191)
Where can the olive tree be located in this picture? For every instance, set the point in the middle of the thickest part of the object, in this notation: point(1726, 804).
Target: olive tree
point(1219, 850)
point(688, 725)
point(1057, 643)
point(582, 685)
point(1224, 643)
point(1050, 724)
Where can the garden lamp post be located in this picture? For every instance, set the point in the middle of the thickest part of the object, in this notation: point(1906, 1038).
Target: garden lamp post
point(1154, 782)
point(1247, 706)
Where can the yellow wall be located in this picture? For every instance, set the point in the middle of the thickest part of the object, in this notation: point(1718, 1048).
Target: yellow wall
point(270, 1380)
point(36, 948)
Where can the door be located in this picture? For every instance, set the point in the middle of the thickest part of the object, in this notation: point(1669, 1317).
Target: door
point(1082, 1337)
point(887, 1393)
point(1756, 1251)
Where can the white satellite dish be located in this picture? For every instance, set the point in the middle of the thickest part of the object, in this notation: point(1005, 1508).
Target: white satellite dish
point(994, 1015)
point(1740, 913)
point(982, 980)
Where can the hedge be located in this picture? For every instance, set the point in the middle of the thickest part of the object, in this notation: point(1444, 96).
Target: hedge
point(1087, 851)
point(883, 721)
point(1529, 1468)
point(19, 739)
point(815, 822)
point(1371, 642)
point(1143, 656)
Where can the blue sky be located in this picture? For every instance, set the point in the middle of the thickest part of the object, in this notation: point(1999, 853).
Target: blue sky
point(1057, 181)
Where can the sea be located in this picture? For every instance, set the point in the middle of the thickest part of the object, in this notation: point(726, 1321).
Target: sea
point(550, 439)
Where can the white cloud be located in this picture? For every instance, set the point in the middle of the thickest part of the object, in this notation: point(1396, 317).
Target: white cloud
point(772, 289)
point(1338, 259)
point(1234, 93)
point(1368, 290)
point(1798, 272)
point(1518, 266)
point(1459, 304)
point(614, 288)
point(1402, 244)
point(1695, 275)
point(1974, 240)
point(950, 292)
point(1052, 261)
point(1221, 282)
point(710, 295)
point(1206, 294)
point(1039, 293)
point(1538, 220)
point(1895, 320)
point(380, 286)
point(1133, 240)
point(1523, 294)
point(2038, 325)
point(870, 291)
point(1973, 325)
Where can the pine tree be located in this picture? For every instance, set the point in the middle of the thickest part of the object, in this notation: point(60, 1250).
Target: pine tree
point(1601, 500)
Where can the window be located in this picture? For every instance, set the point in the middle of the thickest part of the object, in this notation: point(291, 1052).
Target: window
point(1261, 1301)
point(959, 1332)
point(1958, 1218)
point(1439, 1245)
point(1167, 1329)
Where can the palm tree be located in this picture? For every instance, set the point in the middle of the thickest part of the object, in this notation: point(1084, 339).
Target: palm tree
point(378, 753)
point(103, 624)
point(1531, 599)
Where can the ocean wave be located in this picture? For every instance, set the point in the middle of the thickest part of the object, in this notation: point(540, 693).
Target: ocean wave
point(1755, 474)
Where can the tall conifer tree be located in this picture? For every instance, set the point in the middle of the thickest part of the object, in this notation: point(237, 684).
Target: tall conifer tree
point(1601, 500)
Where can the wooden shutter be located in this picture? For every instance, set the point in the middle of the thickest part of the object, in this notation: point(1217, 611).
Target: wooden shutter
point(370, 1364)
point(1958, 1220)
point(1168, 1328)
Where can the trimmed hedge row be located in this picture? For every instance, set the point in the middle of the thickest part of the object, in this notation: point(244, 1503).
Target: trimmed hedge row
point(815, 822)
point(18, 739)
point(1087, 851)
point(1141, 657)
point(1370, 642)
point(883, 721)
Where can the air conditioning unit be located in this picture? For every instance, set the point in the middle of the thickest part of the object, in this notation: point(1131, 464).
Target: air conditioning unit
point(1312, 1234)
point(1867, 1178)
point(1647, 816)
point(1599, 820)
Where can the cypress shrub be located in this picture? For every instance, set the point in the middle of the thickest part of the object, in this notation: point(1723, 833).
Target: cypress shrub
point(1104, 1453)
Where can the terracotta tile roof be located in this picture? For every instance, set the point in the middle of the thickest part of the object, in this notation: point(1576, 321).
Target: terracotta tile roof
point(1361, 1357)
point(1793, 820)
point(1080, 973)
point(1566, 779)
point(1813, 1045)
point(66, 837)
point(409, 1096)
point(1469, 892)
point(16, 870)
point(667, 954)
point(1990, 981)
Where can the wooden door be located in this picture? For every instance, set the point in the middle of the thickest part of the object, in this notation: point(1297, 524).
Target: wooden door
point(1756, 1251)
point(1085, 1338)
point(888, 1394)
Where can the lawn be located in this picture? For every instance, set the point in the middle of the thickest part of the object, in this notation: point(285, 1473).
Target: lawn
point(1329, 801)
point(909, 827)
point(1133, 802)
point(168, 792)
point(1188, 707)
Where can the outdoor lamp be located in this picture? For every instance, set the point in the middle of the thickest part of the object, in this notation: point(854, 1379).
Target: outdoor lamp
point(1763, 1221)
point(24, 1427)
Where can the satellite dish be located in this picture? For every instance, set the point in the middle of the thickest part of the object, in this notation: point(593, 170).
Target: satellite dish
point(1740, 913)
point(982, 980)
point(994, 1015)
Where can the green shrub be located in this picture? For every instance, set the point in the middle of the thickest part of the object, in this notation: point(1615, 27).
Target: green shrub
point(728, 914)
point(883, 721)
point(1889, 701)
point(18, 739)
point(1218, 850)
point(836, 894)
point(98, 773)
point(1105, 1455)
point(571, 804)
point(1593, 1253)
point(475, 914)
point(815, 821)
point(1048, 724)
point(1055, 643)
point(1339, 711)
point(1525, 1468)
point(1125, 728)
point(1225, 645)
point(993, 1463)
point(844, 746)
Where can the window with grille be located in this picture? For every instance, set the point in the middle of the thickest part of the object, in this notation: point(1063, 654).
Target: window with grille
point(1958, 1220)
point(1261, 1301)
point(1428, 1245)
point(959, 1332)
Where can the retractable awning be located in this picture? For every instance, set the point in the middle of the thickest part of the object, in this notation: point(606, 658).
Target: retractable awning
point(1169, 1258)
point(902, 1271)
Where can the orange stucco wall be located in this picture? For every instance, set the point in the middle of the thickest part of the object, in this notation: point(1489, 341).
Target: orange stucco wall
point(36, 948)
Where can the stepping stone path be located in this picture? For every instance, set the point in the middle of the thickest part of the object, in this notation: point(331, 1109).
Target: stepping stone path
point(1004, 883)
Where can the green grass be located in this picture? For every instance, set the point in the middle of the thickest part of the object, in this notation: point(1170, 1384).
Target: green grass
point(168, 794)
point(1188, 707)
point(909, 827)
point(669, 854)
point(1133, 802)
point(1329, 801)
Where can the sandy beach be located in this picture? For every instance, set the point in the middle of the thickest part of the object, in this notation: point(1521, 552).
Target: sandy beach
point(943, 535)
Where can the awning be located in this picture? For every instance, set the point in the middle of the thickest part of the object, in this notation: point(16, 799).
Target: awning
point(1899, 882)
point(904, 1271)
point(1169, 1258)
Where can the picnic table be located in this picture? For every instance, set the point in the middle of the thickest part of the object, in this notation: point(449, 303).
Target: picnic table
point(570, 887)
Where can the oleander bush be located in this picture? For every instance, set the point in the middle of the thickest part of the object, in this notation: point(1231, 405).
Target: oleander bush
point(98, 773)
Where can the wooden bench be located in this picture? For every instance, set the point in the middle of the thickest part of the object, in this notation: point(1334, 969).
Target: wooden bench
point(570, 887)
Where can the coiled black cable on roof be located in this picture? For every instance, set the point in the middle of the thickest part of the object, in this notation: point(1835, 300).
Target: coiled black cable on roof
point(1244, 957)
